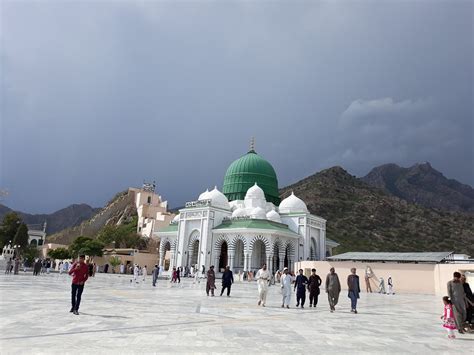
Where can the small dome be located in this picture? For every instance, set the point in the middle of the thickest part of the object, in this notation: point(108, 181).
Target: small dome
point(255, 192)
point(258, 213)
point(274, 216)
point(218, 199)
point(293, 204)
point(204, 195)
point(239, 212)
point(176, 218)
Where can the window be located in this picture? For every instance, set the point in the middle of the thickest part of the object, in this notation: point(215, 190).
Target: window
point(149, 199)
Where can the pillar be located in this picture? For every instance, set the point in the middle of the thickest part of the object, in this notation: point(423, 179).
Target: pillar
point(269, 263)
point(231, 254)
point(282, 261)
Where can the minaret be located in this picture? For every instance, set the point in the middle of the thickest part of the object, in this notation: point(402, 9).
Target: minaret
point(252, 144)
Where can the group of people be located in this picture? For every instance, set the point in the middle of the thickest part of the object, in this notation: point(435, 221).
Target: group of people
point(458, 306)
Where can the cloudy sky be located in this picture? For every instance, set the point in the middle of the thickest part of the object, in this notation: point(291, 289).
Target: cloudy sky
point(98, 95)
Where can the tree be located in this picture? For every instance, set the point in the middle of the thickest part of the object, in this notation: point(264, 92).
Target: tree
point(93, 248)
point(21, 236)
point(30, 253)
point(11, 223)
point(77, 245)
point(59, 253)
point(114, 261)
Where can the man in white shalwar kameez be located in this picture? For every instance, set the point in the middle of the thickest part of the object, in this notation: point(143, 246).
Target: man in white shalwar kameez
point(286, 281)
point(262, 281)
point(136, 272)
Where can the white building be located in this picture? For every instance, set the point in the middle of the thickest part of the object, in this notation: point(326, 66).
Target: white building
point(244, 226)
point(37, 234)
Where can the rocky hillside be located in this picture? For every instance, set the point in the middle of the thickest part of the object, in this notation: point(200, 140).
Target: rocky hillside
point(364, 218)
point(423, 185)
point(70, 216)
point(120, 208)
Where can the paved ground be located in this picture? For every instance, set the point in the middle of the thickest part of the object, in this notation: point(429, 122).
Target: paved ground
point(122, 318)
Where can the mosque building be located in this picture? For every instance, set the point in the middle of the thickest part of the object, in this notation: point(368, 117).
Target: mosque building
point(244, 226)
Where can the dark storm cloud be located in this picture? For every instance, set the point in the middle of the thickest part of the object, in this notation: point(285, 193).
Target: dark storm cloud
point(97, 96)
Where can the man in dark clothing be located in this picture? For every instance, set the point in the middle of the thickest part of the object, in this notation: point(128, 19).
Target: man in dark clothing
point(227, 280)
point(313, 287)
point(354, 289)
point(211, 281)
point(178, 272)
point(470, 299)
point(155, 273)
point(300, 287)
point(80, 274)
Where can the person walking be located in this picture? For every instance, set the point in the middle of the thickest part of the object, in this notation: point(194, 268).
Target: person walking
point(79, 272)
point(8, 266)
point(382, 286)
point(227, 280)
point(145, 272)
point(262, 282)
point(448, 318)
point(470, 298)
point(211, 281)
point(155, 273)
point(17, 266)
point(354, 289)
point(136, 273)
point(301, 283)
point(368, 288)
point(390, 286)
point(333, 288)
point(286, 281)
point(314, 283)
point(178, 274)
point(458, 298)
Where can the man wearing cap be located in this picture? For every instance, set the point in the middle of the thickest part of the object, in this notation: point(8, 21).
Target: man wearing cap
point(80, 274)
point(262, 281)
point(313, 287)
point(286, 280)
point(333, 288)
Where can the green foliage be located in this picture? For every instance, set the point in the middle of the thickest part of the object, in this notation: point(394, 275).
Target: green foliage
point(30, 253)
point(11, 223)
point(124, 236)
point(59, 253)
point(87, 246)
point(21, 236)
point(114, 261)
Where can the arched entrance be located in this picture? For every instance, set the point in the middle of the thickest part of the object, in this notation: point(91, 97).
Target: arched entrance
point(313, 254)
point(34, 242)
point(166, 256)
point(193, 254)
point(239, 256)
point(223, 256)
point(258, 255)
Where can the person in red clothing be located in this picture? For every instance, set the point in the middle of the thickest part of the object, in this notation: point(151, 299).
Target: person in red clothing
point(80, 273)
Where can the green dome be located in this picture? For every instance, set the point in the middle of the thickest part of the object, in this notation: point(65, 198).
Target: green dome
point(243, 173)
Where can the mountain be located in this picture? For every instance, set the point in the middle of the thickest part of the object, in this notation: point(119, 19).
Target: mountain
point(120, 208)
point(365, 218)
point(59, 220)
point(423, 185)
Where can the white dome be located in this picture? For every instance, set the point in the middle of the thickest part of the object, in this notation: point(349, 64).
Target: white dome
point(292, 204)
point(204, 195)
point(218, 199)
point(274, 216)
point(176, 218)
point(255, 192)
point(259, 213)
point(239, 212)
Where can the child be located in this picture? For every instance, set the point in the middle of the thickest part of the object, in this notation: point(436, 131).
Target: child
point(448, 317)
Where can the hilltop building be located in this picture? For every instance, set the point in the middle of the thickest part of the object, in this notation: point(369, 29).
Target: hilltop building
point(244, 226)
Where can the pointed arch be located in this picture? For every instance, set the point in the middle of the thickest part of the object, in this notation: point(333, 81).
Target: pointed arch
point(220, 240)
point(195, 235)
point(263, 240)
point(235, 240)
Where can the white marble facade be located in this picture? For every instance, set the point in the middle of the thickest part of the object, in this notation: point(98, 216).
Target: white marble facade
point(243, 234)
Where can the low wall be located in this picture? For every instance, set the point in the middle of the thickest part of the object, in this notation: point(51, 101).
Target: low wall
point(407, 277)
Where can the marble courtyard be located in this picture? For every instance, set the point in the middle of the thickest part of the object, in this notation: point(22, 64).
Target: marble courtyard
point(117, 317)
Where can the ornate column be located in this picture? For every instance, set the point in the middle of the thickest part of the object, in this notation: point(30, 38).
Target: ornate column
point(282, 261)
point(231, 254)
point(269, 263)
